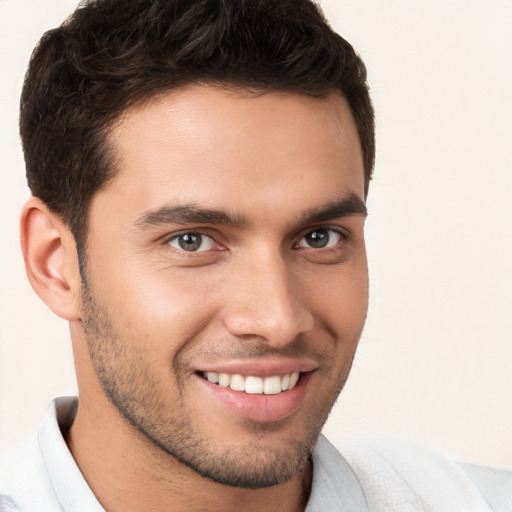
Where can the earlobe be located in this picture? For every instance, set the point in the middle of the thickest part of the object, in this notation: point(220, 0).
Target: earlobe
point(51, 260)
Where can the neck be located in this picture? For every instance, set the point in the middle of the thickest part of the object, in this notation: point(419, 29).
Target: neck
point(128, 473)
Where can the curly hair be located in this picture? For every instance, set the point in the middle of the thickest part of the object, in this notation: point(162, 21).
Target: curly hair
point(111, 54)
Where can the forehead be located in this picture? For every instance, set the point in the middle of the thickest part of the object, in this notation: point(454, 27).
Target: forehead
point(227, 148)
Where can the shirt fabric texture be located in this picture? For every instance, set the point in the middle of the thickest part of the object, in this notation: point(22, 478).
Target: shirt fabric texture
point(381, 476)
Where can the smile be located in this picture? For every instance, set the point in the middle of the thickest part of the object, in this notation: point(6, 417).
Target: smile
point(254, 385)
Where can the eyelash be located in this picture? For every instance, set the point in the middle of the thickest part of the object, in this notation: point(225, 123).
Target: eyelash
point(197, 233)
point(343, 237)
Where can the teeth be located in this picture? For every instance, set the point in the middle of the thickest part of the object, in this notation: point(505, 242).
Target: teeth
point(285, 383)
point(254, 385)
point(272, 385)
point(212, 377)
point(224, 380)
point(294, 377)
point(237, 383)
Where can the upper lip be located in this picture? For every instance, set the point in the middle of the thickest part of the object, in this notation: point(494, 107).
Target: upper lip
point(260, 367)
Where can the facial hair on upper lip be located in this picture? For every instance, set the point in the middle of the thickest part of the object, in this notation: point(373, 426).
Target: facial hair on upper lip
point(248, 348)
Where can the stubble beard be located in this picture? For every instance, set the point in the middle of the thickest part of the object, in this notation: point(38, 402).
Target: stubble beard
point(130, 386)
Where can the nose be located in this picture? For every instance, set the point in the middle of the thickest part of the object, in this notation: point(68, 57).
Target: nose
point(265, 302)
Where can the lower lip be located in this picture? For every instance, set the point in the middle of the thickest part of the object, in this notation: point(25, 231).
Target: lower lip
point(261, 408)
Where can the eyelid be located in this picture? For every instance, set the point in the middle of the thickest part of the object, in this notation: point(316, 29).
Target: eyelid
point(188, 231)
point(343, 237)
point(344, 232)
point(193, 231)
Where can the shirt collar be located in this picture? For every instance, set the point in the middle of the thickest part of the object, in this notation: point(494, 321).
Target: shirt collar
point(335, 487)
point(72, 491)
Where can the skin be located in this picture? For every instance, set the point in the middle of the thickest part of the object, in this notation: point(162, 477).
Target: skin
point(148, 433)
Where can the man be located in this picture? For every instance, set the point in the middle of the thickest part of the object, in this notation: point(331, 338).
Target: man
point(199, 173)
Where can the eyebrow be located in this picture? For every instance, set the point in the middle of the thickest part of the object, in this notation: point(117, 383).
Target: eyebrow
point(184, 214)
point(352, 205)
point(187, 214)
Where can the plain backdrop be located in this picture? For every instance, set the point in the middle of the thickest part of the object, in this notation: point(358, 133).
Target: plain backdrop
point(434, 361)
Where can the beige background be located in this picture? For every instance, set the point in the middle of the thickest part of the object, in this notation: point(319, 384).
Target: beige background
point(435, 357)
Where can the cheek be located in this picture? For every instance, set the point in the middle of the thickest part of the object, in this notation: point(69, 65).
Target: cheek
point(338, 298)
point(341, 312)
point(158, 309)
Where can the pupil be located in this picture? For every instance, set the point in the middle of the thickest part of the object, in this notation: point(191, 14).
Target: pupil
point(318, 239)
point(190, 242)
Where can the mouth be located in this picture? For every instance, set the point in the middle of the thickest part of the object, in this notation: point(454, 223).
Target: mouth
point(264, 390)
point(272, 385)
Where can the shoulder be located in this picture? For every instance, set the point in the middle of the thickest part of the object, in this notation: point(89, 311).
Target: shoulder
point(400, 476)
point(24, 482)
point(42, 476)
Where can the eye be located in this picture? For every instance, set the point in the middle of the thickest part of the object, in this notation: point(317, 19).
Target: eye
point(322, 238)
point(192, 242)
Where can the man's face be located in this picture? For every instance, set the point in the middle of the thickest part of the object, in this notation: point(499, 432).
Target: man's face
point(230, 246)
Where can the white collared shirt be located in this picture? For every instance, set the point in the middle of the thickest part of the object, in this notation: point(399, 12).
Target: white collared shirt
point(393, 476)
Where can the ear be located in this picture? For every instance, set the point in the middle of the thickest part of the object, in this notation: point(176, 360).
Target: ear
point(51, 259)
